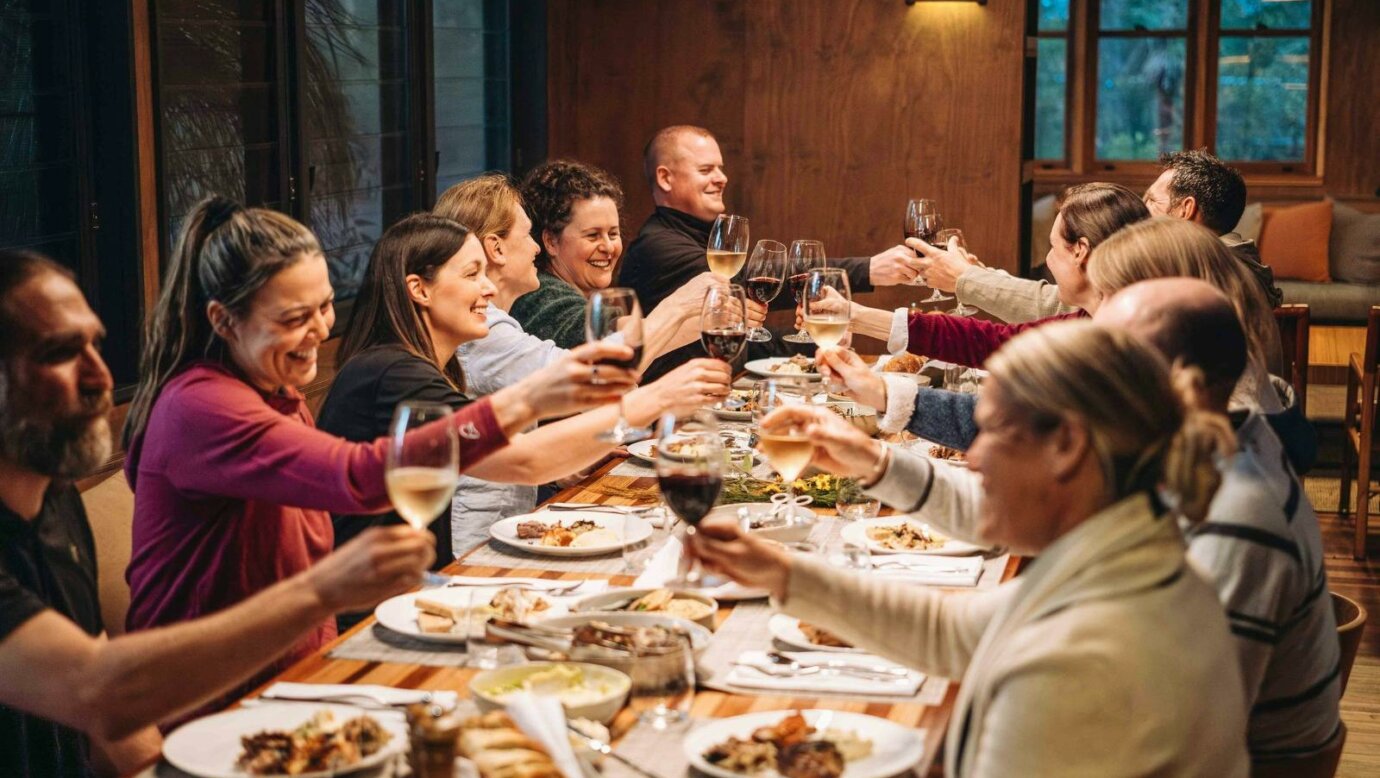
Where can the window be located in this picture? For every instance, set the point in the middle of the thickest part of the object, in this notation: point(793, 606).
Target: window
point(472, 90)
point(1118, 82)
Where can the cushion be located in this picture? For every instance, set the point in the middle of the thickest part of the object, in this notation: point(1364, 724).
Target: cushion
point(1355, 246)
point(1251, 221)
point(1042, 213)
point(1333, 303)
point(1293, 241)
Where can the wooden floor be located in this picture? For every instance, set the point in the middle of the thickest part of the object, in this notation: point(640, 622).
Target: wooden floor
point(1361, 705)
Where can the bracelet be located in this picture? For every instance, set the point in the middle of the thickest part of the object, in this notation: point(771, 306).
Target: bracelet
point(879, 469)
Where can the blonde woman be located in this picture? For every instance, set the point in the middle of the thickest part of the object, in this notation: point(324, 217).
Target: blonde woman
point(1108, 654)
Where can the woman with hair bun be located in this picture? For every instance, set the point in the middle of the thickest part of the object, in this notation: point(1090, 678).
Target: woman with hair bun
point(1108, 653)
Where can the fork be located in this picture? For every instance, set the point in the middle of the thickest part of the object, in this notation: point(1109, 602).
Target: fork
point(554, 591)
point(426, 698)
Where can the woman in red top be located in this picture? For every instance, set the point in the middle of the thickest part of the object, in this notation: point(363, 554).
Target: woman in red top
point(233, 484)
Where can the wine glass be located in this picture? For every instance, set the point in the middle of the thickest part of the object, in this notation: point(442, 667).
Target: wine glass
point(663, 684)
point(826, 311)
point(422, 469)
point(923, 222)
point(689, 473)
point(805, 255)
point(766, 272)
point(728, 245)
point(944, 237)
point(788, 450)
point(723, 322)
point(613, 314)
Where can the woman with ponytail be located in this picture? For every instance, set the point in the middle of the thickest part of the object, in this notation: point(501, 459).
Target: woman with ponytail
point(1108, 653)
point(233, 484)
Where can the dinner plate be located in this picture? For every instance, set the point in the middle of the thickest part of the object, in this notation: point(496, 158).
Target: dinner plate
point(922, 380)
point(505, 531)
point(643, 450)
point(856, 532)
point(699, 635)
point(208, 747)
point(766, 368)
point(787, 630)
point(400, 613)
point(895, 748)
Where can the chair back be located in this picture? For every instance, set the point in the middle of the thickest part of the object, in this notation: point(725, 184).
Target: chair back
point(1320, 765)
point(1370, 361)
point(110, 510)
point(1351, 620)
point(1295, 322)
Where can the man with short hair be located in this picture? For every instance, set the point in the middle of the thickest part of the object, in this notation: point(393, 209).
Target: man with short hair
point(72, 701)
point(1192, 185)
point(685, 171)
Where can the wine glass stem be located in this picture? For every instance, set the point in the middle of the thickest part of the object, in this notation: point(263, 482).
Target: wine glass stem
point(693, 571)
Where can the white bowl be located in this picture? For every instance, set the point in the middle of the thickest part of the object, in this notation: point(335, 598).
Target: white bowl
point(598, 603)
point(602, 709)
point(797, 531)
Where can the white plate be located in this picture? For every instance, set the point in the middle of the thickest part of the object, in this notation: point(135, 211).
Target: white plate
point(208, 747)
point(895, 749)
point(642, 450)
point(505, 531)
point(877, 366)
point(764, 368)
point(787, 630)
point(699, 635)
point(856, 532)
point(400, 613)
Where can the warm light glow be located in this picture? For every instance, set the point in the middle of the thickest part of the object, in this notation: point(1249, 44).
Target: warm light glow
point(979, 2)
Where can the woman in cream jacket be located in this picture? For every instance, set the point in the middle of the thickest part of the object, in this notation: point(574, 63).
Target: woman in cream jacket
point(1107, 656)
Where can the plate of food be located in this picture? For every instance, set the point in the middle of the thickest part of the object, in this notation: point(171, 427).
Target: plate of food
point(946, 454)
point(770, 367)
point(569, 533)
point(807, 637)
point(679, 604)
point(736, 443)
point(738, 406)
point(902, 535)
point(437, 615)
point(804, 744)
point(905, 364)
point(769, 520)
point(282, 739)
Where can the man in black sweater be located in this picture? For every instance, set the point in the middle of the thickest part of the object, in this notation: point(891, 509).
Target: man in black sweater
point(685, 171)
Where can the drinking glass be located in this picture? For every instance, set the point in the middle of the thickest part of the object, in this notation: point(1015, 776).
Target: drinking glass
point(613, 314)
point(958, 378)
point(422, 469)
point(482, 653)
point(723, 322)
point(663, 685)
point(728, 245)
point(636, 556)
point(923, 222)
point(854, 556)
point(853, 502)
point(766, 272)
point(943, 237)
point(825, 306)
point(804, 256)
point(689, 471)
point(788, 450)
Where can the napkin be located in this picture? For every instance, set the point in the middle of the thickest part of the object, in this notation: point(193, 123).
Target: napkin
point(385, 695)
point(543, 719)
point(665, 563)
point(928, 569)
point(744, 675)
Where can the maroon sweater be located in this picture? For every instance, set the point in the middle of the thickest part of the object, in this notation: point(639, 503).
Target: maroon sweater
point(233, 490)
point(964, 340)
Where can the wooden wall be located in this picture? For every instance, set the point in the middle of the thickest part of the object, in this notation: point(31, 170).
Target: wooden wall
point(1351, 146)
point(831, 113)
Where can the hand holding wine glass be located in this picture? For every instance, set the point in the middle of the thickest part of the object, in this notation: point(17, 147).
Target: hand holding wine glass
point(923, 223)
point(804, 256)
point(835, 445)
point(728, 245)
point(787, 448)
point(422, 466)
point(689, 471)
point(766, 273)
point(614, 315)
point(723, 322)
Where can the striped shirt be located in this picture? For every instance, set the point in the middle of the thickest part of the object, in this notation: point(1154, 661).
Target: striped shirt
point(1262, 549)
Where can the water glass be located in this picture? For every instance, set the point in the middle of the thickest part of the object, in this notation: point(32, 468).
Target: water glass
point(854, 503)
point(663, 686)
point(482, 653)
point(637, 556)
point(854, 556)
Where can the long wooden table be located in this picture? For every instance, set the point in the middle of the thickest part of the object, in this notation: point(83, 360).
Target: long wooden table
point(604, 488)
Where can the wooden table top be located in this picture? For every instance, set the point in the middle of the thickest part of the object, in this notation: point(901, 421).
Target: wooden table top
point(601, 487)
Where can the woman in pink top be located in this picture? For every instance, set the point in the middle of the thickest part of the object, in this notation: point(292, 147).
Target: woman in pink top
point(233, 484)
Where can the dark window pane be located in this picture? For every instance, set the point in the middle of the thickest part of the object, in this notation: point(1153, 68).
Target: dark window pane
point(1262, 98)
point(1051, 97)
point(1054, 15)
point(1140, 97)
point(472, 88)
point(1144, 14)
point(1273, 14)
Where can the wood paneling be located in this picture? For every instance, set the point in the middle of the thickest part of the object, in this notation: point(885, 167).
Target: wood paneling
point(1352, 95)
point(830, 113)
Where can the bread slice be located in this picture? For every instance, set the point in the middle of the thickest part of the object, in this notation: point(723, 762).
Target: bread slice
point(477, 741)
point(455, 613)
point(431, 624)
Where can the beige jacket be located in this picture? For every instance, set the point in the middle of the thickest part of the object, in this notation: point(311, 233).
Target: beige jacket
point(1108, 656)
point(1008, 297)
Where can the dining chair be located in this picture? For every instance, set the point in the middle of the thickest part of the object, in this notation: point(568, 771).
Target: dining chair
point(1295, 323)
point(1358, 427)
point(110, 511)
point(1351, 620)
point(1320, 765)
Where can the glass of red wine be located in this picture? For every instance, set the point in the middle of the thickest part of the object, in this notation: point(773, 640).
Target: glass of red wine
point(689, 473)
point(723, 322)
point(804, 256)
point(924, 223)
point(613, 314)
point(766, 272)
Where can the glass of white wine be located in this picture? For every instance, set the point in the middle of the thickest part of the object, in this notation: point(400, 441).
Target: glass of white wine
point(787, 450)
point(422, 465)
point(728, 245)
point(826, 305)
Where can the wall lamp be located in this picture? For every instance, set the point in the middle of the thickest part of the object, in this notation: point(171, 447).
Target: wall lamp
point(979, 2)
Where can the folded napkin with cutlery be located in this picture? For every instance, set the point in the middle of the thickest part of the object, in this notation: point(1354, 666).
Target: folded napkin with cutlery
point(821, 671)
point(363, 695)
point(930, 570)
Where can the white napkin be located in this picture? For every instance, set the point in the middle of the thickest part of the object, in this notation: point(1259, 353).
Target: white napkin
point(744, 675)
point(662, 566)
point(928, 569)
point(385, 695)
point(543, 719)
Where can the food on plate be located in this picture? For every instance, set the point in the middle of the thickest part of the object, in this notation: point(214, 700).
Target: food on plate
point(630, 639)
point(905, 536)
point(823, 489)
point(796, 365)
point(568, 683)
point(665, 601)
point(739, 401)
point(793, 748)
point(319, 744)
point(512, 604)
point(904, 363)
point(820, 636)
point(951, 454)
point(500, 750)
point(581, 533)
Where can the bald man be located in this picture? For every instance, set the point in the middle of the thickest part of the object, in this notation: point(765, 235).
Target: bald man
point(685, 171)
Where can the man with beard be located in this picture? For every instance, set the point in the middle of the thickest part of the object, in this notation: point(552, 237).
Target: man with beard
point(72, 702)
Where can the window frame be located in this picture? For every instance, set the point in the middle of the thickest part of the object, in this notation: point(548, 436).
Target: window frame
point(1203, 37)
